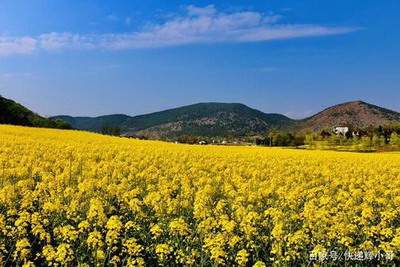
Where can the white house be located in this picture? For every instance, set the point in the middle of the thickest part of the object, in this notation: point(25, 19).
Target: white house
point(343, 130)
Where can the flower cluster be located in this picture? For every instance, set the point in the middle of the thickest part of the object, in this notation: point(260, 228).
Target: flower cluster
point(76, 198)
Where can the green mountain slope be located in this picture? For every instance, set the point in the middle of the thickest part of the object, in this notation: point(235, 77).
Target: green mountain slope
point(234, 120)
point(16, 114)
point(94, 124)
point(203, 119)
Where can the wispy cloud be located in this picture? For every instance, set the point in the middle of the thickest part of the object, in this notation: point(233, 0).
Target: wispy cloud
point(198, 25)
point(19, 45)
point(201, 11)
point(56, 41)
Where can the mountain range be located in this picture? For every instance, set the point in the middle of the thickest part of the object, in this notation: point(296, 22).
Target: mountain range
point(206, 119)
point(202, 119)
point(233, 119)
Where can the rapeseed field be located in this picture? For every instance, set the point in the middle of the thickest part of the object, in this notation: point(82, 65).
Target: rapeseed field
point(71, 198)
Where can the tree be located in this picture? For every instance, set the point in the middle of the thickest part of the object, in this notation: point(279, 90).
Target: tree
point(271, 136)
point(395, 139)
point(310, 139)
point(109, 130)
point(378, 140)
point(60, 124)
point(188, 139)
point(299, 140)
point(366, 142)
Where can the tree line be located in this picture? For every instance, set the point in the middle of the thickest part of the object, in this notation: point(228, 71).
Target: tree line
point(370, 138)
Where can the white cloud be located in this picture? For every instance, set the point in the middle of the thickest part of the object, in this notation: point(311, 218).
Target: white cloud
point(57, 41)
point(19, 45)
point(201, 11)
point(198, 25)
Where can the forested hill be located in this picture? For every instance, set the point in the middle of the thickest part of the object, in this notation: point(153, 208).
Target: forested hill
point(14, 113)
point(233, 120)
point(202, 119)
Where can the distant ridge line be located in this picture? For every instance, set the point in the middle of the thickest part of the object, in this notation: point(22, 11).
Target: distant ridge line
point(234, 119)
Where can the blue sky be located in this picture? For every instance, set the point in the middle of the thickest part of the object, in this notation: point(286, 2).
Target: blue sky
point(292, 57)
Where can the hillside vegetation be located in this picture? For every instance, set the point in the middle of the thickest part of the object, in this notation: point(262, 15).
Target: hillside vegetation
point(203, 119)
point(14, 113)
point(234, 120)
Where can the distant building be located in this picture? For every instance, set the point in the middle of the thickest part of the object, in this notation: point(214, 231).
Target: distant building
point(203, 143)
point(343, 130)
